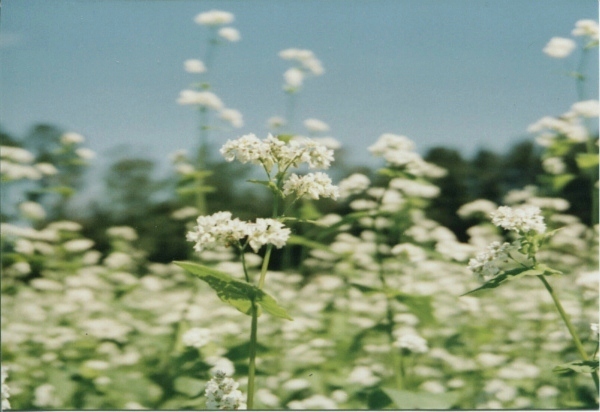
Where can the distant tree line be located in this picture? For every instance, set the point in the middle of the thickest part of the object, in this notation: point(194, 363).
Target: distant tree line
point(133, 195)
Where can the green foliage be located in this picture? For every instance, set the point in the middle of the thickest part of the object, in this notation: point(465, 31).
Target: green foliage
point(589, 366)
point(238, 294)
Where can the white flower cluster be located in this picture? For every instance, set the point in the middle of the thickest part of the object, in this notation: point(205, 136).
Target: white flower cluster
point(398, 151)
point(479, 206)
point(416, 189)
point(487, 264)
point(307, 64)
point(412, 342)
point(220, 229)
point(595, 331)
point(203, 99)
point(196, 337)
point(15, 164)
point(222, 393)
point(214, 18)
point(586, 27)
point(561, 47)
point(272, 151)
point(313, 185)
point(5, 389)
point(353, 185)
point(521, 219)
point(569, 125)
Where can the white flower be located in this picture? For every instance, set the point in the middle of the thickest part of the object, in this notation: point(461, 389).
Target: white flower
point(214, 18)
point(71, 138)
point(276, 122)
point(313, 185)
point(487, 264)
point(5, 389)
point(204, 99)
point(554, 165)
point(316, 125)
point(47, 169)
point(222, 393)
point(414, 188)
point(268, 231)
point(16, 154)
point(229, 34)
point(586, 108)
point(411, 252)
point(85, 153)
point(293, 77)
point(412, 342)
point(196, 337)
point(482, 206)
point(185, 213)
point(232, 116)
point(586, 28)
point(595, 330)
point(553, 203)
point(194, 66)
point(45, 396)
point(123, 232)
point(78, 245)
point(117, 260)
point(521, 219)
point(315, 402)
point(32, 210)
point(559, 47)
point(363, 375)
point(354, 184)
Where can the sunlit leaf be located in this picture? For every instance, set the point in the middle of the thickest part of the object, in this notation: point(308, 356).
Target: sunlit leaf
point(506, 277)
point(188, 386)
point(588, 366)
point(587, 160)
point(234, 292)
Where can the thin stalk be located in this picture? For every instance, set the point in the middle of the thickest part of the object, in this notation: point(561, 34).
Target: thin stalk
point(252, 356)
point(569, 326)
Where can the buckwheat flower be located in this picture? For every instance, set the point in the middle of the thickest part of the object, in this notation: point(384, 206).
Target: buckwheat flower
point(85, 153)
point(220, 363)
point(554, 165)
point(353, 185)
point(47, 169)
point(5, 389)
point(203, 99)
point(479, 206)
point(409, 251)
point(232, 116)
point(313, 185)
point(552, 203)
point(16, 154)
point(487, 264)
point(586, 27)
point(229, 34)
point(595, 331)
point(315, 402)
point(214, 18)
point(547, 391)
point(389, 141)
point(32, 210)
point(222, 393)
point(522, 219)
point(194, 66)
point(71, 138)
point(415, 188)
point(412, 342)
point(328, 141)
point(196, 337)
point(364, 376)
point(276, 122)
point(268, 231)
point(316, 125)
point(586, 108)
point(78, 245)
point(247, 148)
point(45, 396)
point(185, 213)
point(559, 47)
point(294, 78)
point(123, 232)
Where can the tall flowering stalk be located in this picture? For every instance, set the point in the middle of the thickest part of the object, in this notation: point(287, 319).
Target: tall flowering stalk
point(201, 96)
point(503, 262)
point(276, 157)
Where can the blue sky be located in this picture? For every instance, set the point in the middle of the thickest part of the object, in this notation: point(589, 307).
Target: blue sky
point(465, 74)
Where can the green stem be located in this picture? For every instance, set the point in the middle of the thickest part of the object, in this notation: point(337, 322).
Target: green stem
point(569, 325)
point(252, 356)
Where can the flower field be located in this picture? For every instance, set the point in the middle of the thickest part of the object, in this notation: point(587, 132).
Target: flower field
point(338, 294)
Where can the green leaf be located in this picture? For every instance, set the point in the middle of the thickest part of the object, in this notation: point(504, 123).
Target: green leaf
point(188, 386)
point(366, 289)
point(237, 293)
point(419, 305)
point(557, 182)
point(587, 160)
point(299, 240)
point(505, 277)
point(421, 400)
point(589, 366)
